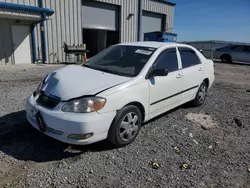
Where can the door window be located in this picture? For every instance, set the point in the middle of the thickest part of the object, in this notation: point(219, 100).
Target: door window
point(167, 60)
point(247, 49)
point(238, 48)
point(188, 57)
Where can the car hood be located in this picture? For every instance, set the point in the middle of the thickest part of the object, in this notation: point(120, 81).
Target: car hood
point(75, 81)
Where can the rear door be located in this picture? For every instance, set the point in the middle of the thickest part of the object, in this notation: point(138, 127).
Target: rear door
point(165, 91)
point(247, 54)
point(192, 71)
point(238, 53)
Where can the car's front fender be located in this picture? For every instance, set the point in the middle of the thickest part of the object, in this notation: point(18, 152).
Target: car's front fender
point(125, 94)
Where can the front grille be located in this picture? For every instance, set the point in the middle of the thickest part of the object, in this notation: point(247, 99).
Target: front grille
point(48, 101)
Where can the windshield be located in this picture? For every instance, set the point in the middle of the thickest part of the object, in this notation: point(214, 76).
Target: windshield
point(121, 60)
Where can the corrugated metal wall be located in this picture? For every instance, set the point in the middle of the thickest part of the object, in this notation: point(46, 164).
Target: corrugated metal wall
point(65, 24)
point(6, 44)
point(129, 27)
point(16, 14)
point(128, 24)
point(168, 10)
point(25, 2)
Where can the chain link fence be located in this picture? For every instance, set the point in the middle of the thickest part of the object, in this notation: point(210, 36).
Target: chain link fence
point(208, 47)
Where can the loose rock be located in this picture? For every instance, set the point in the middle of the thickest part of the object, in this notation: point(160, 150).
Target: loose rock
point(238, 122)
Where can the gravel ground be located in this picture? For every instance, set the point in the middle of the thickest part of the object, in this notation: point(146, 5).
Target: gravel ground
point(208, 146)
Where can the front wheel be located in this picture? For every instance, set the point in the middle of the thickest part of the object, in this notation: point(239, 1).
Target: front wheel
point(125, 126)
point(226, 58)
point(200, 95)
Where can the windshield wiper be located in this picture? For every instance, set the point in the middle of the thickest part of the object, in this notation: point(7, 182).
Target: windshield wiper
point(115, 72)
point(84, 65)
point(108, 71)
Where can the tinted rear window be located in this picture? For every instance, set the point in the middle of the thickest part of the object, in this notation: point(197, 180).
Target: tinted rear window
point(188, 57)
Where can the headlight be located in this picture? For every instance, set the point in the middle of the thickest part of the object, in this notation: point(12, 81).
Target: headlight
point(39, 87)
point(84, 105)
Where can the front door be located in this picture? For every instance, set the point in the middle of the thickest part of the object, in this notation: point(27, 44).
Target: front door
point(238, 53)
point(192, 73)
point(21, 44)
point(165, 91)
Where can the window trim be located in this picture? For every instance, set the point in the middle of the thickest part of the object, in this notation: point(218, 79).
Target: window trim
point(179, 68)
point(200, 62)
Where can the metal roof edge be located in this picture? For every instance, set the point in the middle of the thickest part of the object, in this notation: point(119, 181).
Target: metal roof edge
point(215, 41)
point(166, 2)
point(26, 8)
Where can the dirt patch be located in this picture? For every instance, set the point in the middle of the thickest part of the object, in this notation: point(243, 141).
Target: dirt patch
point(233, 74)
point(205, 121)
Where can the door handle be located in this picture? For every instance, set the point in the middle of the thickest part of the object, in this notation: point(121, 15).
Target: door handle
point(200, 69)
point(179, 75)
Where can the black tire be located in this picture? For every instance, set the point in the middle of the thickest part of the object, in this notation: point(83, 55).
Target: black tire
point(120, 121)
point(200, 95)
point(226, 58)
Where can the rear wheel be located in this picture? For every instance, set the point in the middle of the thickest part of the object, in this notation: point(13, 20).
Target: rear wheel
point(201, 94)
point(226, 58)
point(126, 126)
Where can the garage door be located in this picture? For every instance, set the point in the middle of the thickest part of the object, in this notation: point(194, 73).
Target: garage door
point(151, 22)
point(97, 15)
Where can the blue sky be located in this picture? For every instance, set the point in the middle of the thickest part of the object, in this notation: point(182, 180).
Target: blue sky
point(212, 20)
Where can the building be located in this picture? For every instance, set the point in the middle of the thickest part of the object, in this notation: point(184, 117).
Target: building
point(36, 30)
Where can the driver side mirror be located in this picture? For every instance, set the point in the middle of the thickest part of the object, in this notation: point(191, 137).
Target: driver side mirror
point(157, 72)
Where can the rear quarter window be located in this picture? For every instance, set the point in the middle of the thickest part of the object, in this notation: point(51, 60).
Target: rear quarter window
point(188, 57)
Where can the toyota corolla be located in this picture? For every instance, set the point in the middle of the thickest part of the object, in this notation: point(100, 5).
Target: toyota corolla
point(116, 91)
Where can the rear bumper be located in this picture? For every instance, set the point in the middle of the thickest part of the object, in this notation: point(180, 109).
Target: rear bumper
point(60, 124)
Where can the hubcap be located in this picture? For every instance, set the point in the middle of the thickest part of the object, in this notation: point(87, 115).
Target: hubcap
point(202, 93)
point(129, 126)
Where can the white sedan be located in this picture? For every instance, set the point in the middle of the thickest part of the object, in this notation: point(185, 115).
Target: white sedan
point(116, 91)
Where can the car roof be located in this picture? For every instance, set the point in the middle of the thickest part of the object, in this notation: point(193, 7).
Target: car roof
point(152, 44)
